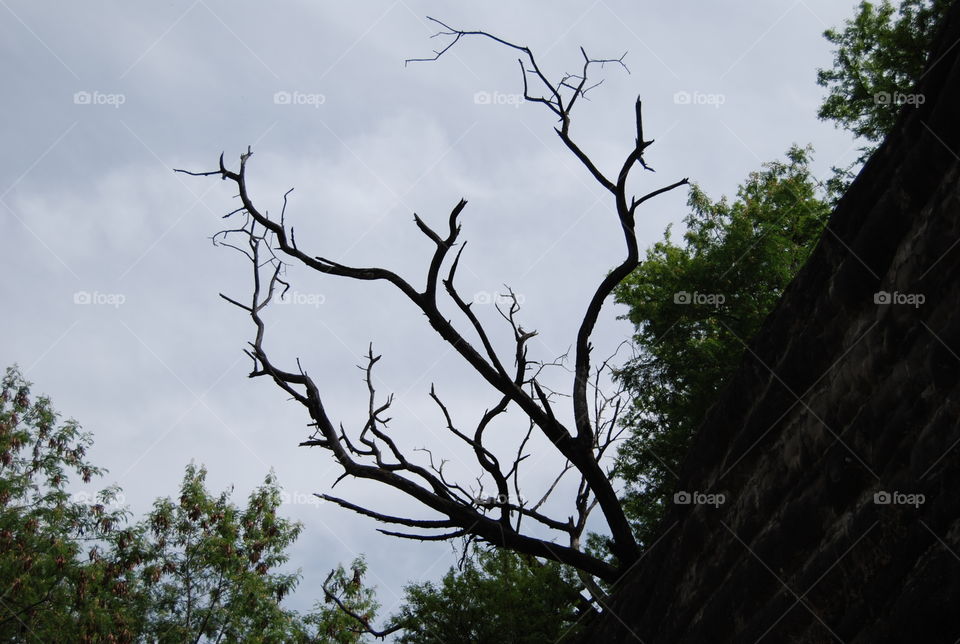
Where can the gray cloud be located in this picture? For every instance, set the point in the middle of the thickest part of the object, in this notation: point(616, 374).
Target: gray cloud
point(102, 103)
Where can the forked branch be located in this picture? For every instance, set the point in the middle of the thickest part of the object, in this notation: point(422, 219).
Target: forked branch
point(372, 452)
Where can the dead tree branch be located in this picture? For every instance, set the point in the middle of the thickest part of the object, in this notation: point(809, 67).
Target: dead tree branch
point(363, 622)
point(268, 244)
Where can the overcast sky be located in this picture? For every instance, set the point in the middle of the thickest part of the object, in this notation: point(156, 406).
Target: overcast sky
point(110, 300)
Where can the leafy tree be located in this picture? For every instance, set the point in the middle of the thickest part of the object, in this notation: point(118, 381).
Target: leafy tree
point(747, 252)
point(73, 569)
point(211, 565)
point(880, 55)
point(331, 621)
point(497, 596)
point(694, 305)
point(67, 568)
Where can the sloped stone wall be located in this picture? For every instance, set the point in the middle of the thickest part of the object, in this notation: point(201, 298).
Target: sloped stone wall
point(847, 398)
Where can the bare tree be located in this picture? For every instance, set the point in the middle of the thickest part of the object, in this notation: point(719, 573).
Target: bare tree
point(372, 453)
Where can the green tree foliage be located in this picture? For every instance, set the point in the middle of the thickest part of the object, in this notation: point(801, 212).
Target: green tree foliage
point(694, 305)
point(198, 568)
point(212, 566)
point(747, 251)
point(67, 568)
point(880, 54)
point(497, 596)
point(329, 623)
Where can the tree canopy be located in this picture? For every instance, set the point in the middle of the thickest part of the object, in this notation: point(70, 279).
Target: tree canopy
point(199, 567)
point(497, 596)
point(880, 54)
point(695, 304)
point(67, 566)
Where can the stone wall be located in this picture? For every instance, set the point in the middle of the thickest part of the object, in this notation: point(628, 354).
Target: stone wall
point(838, 400)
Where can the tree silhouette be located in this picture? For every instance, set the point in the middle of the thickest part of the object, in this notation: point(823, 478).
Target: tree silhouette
point(371, 452)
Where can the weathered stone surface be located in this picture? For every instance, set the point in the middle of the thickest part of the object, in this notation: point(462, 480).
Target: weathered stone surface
point(838, 399)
